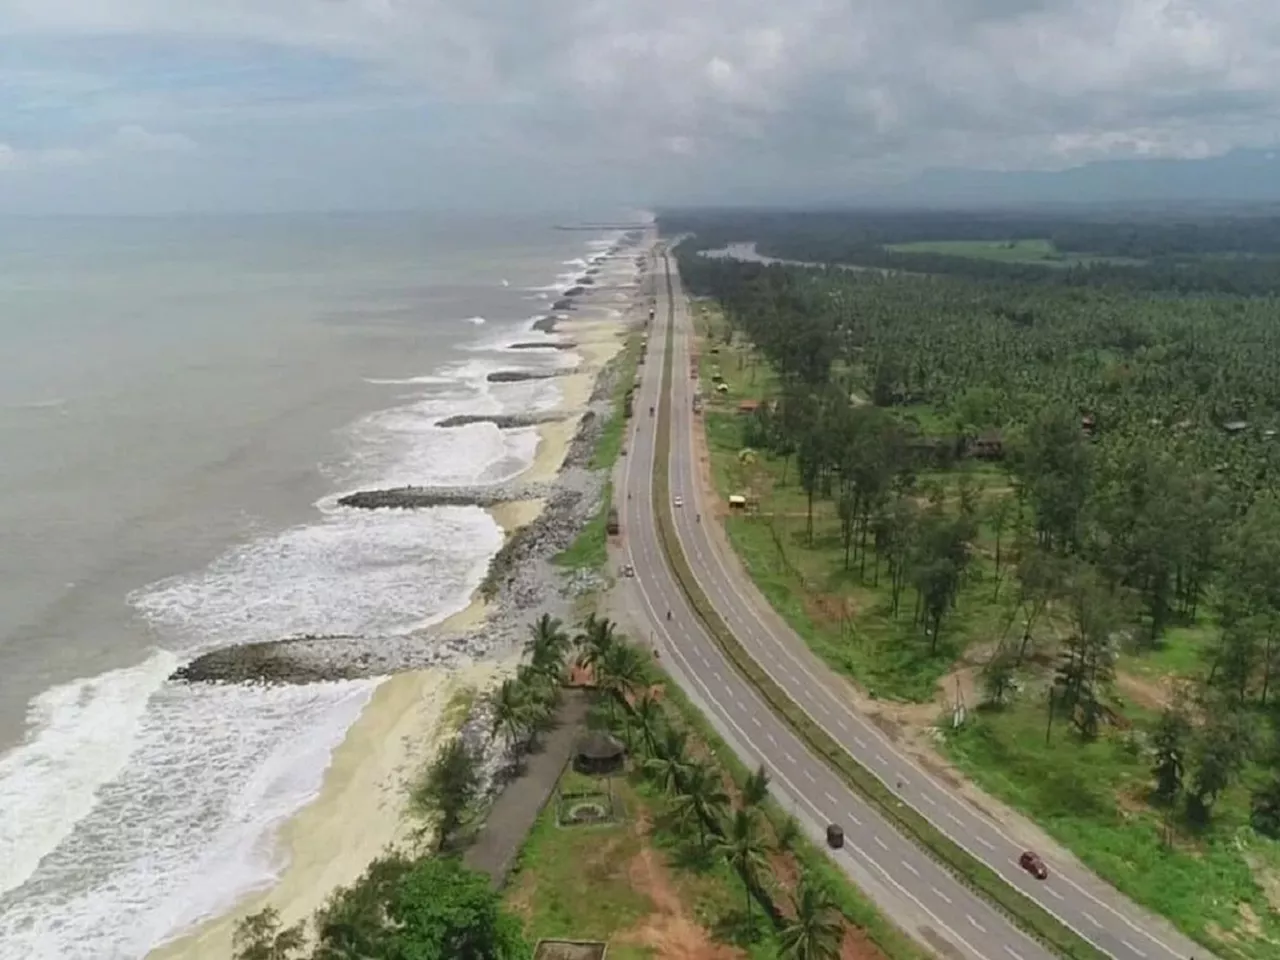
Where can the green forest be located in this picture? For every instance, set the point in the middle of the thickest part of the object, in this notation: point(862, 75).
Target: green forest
point(1074, 481)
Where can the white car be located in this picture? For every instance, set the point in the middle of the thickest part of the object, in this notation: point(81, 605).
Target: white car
point(679, 501)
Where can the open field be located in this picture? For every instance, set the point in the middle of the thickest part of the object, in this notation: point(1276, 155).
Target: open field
point(1042, 252)
point(1219, 883)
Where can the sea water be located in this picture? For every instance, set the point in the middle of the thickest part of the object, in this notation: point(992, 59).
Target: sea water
point(181, 402)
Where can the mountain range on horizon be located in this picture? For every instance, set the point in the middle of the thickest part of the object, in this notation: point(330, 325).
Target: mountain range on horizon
point(1238, 177)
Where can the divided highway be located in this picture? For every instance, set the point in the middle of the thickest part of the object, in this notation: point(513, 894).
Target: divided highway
point(1079, 899)
point(921, 897)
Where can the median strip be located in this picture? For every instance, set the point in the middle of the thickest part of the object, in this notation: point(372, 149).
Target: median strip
point(1019, 908)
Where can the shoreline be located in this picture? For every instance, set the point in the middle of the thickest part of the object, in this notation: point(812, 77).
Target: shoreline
point(405, 720)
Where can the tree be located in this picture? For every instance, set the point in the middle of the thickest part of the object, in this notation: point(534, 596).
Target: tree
point(669, 764)
point(816, 931)
point(620, 671)
point(260, 936)
point(510, 713)
point(646, 718)
point(756, 790)
point(1221, 753)
point(742, 846)
point(1264, 808)
point(594, 639)
point(1087, 664)
point(450, 789)
point(1169, 741)
point(998, 675)
point(701, 799)
point(547, 646)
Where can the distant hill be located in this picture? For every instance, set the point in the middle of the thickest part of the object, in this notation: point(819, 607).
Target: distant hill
point(1238, 177)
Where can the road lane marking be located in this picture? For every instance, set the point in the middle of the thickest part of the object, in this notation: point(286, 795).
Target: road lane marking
point(1053, 893)
point(942, 896)
point(881, 759)
point(1132, 947)
point(910, 869)
point(880, 843)
point(1012, 952)
point(756, 720)
point(772, 739)
point(976, 925)
point(833, 800)
point(953, 818)
point(789, 758)
point(1091, 918)
point(929, 800)
point(982, 840)
point(862, 744)
point(716, 674)
point(808, 773)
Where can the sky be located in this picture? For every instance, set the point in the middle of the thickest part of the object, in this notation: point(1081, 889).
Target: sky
point(122, 106)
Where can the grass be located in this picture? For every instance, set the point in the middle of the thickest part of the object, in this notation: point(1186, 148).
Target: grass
point(590, 548)
point(1092, 798)
point(1023, 911)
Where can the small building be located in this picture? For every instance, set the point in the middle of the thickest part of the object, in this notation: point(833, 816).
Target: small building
point(748, 406)
point(988, 446)
point(1235, 426)
point(599, 753)
point(722, 388)
point(737, 502)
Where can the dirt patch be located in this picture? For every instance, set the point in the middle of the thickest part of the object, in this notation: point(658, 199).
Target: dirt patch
point(1267, 878)
point(1144, 691)
point(668, 931)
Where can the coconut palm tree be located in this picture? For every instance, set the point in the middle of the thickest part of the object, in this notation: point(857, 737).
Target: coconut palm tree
point(701, 800)
point(815, 932)
point(743, 847)
point(647, 720)
point(510, 715)
point(547, 646)
point(669, 764)
point(620, 671)
point(594, 639)
point(756, 789)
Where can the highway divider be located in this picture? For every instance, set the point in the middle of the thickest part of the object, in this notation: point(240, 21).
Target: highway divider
point(1028, 915)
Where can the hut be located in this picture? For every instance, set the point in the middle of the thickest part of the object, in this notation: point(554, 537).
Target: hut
point(599, 753)
point(737, 502)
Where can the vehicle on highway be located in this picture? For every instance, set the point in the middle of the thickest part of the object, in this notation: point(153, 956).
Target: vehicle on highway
point(1032, 863)
point(651, 411)
point(628, 570)
point(835, 836)
point(679, 501)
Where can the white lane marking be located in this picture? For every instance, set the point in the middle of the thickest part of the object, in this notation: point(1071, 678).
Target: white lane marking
point(984, 841)
point(881, 759)
point(1091, 918)
point(880, 843)
point(953, 818)
point(842, 725)
point(1132, 947)
point(824, 708)
point(910, 869)
point(772, 739)
point(790, 759)
point(942, 896)
point(833, 800)
point(755, 720)
point(862, 744)
point(1053, 893)
point(1012, 952)
point(976, 925)
point(930, 801)
point(809, 774)
point(716, 674)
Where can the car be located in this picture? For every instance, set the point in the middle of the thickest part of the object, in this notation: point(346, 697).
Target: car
point(835, 836)
point(1032, 863)
point(679, 501)
point(628, 571)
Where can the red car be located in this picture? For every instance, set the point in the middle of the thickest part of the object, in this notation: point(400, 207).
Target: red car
point(1032, 863)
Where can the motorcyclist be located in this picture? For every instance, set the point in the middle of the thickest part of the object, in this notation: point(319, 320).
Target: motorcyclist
point(668, 614)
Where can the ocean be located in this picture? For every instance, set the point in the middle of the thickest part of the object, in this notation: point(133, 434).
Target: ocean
point(181, 403)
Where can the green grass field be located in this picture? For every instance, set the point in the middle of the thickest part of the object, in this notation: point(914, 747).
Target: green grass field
point(1008, 251)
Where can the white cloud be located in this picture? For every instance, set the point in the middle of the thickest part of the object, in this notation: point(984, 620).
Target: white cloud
point(126, 142)
point(675, 92)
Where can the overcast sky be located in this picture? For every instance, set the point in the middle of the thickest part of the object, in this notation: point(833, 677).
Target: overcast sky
point(147, 105)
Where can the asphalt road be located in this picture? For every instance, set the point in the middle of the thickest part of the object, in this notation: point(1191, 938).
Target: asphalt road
point(1093, 909)
point(910, 887)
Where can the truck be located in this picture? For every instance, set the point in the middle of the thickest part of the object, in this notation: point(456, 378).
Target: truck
point(611, 523)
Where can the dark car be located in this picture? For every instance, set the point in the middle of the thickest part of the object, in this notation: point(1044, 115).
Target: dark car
point(835, 836)
point(1032, 863)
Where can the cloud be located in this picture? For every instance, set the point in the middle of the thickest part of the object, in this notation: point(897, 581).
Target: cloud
point(679, 99)
point(126, 142)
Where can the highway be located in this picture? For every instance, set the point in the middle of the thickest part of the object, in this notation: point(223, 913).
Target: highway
point(1093, 909)
point(921, 897)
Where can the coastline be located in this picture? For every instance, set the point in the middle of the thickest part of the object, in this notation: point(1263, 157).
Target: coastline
point(362, 806)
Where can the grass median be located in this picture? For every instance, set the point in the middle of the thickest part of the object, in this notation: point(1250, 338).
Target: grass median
point(1022, 910)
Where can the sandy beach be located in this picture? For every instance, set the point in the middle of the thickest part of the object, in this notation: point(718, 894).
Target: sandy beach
point(326, 845)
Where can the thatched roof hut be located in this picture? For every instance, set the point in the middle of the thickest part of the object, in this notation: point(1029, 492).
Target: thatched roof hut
point(599, 752)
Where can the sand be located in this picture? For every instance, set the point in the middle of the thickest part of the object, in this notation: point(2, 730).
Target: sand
point(362, 808)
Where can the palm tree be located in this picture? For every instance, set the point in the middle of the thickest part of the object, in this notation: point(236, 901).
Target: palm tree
point(701, 799)
point(743, 848)
point(669, 765)
point(620, 670)
point(756, 789)
point(647, 719)
point(547, 646)
point(509, 711)
point(816, 932)
point(594, 639)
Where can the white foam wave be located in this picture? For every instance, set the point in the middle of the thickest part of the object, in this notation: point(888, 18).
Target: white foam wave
point(81, 736)
point(475, 321)
point(357, 571)
point(179, 833)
